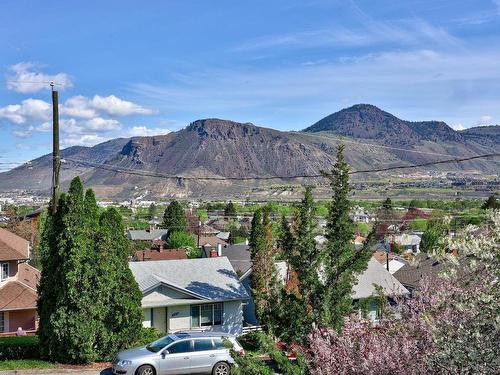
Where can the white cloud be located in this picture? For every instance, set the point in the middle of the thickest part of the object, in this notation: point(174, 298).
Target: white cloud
point(143, 131)
point(85, 140)
point(484, 120)
point(29, 109)
point(95, 125)
point(26, 78)
point(83, 107)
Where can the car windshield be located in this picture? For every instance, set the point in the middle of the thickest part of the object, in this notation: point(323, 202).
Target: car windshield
point(159, 344)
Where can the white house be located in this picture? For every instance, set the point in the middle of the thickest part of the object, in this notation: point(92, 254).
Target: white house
point(410, 242)
point(191, 294)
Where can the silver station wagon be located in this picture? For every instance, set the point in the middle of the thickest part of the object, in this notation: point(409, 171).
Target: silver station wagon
point(180, 353)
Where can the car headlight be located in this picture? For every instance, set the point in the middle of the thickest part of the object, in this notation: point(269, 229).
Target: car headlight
point(124, 362)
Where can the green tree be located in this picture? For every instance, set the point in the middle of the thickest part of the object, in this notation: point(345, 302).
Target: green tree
point(230, 210)
point(89, 303)
point(119, 295)
point(341, 260)
point(491, 203)
point(174, 218)
point(433, 235)
point(300, 301)
point(152, 211)
point(264, 282)
point(179, 240)
point(67, 306)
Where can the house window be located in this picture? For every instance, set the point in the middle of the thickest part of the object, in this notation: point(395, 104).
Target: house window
point(2, 321)
point(206, 315)
point(5, 271)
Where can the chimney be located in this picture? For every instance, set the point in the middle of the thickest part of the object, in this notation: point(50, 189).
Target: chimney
point(213, 253)
point(161, 247)
point(219, 250)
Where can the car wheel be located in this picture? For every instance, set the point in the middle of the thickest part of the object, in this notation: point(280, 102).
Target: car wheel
point(221, 368)
point(145, 370)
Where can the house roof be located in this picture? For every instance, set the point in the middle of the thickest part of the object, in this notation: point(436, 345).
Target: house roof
point(12, 247)
point(165, 254)
point(211, 240)
point(223, 235)
point(239, 257)
point(15, 295)
point(28, 275)
point(206, 278)
point(376, 274)
point(423, 266)
point(147, 235)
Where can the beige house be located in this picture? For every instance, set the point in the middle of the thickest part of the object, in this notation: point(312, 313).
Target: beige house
point(191, 294)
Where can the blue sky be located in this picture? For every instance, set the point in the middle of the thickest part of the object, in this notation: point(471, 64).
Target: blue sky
point(148, 67)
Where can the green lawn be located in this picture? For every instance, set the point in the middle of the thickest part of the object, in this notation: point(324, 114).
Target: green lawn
point(25, 364)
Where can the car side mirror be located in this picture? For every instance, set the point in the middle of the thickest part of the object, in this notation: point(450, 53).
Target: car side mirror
point(164, 353)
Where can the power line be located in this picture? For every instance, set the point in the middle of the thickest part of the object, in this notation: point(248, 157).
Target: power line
point(188, 178)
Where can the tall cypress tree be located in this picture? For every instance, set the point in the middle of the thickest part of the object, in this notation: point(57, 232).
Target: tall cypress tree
point(120, 296)
point(89, 303)
point(298, 302)
point(67, 297)
point(342, 262)
point(264, 283)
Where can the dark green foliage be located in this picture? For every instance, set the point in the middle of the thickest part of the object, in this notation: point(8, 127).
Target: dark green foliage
point(340, 258)
point(387, 203)
point(147, 336)
point(23, 347)
point(174, 218)
point(491, 203)
point(300, 300)
point(89, 302)
point(120, 297)
point(230, 210)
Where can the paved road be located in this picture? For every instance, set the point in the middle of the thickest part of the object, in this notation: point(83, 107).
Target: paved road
point(57, 371)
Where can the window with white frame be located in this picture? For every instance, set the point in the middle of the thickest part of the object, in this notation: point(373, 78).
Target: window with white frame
point(206, 315)
point(4, 272)
point(2, 321)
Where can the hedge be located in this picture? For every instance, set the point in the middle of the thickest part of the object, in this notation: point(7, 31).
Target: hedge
point(22, 347)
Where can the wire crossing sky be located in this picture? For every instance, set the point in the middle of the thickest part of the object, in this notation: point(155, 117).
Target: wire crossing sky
point(125, 68)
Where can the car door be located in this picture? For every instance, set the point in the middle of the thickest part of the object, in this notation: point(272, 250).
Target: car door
point(203, 357)
point(176, 359)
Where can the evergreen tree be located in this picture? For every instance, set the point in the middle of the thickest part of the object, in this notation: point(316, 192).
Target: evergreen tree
point(299, 302)
point(264, 282)
point(491, 203)
point(432, 236)
point(152, 211)
point(230, 210)
point(285, 239)
point(341, 260)
point(119, 296)
point(67, 309)
point(89, 303)
point(174, 218)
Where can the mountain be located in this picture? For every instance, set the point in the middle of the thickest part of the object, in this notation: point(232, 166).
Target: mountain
point(366, 121)
point(222, 148)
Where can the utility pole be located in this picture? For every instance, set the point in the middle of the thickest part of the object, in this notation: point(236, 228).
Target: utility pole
point(199, 229)
point(56, 157)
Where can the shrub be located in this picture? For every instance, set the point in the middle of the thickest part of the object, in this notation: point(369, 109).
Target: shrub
point(23, 347)
point(147, 335)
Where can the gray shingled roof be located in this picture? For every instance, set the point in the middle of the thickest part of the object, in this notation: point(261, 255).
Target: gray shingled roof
point(423, 266)
point(208, 278)
point(147, 235)
point(376, 274)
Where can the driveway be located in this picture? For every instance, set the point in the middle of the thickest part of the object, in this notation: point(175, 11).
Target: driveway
point(57, 371)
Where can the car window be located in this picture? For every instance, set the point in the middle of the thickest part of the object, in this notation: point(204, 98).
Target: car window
point(203, 344)
point(219, 343)
point(180, 347)
point(159, 344)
